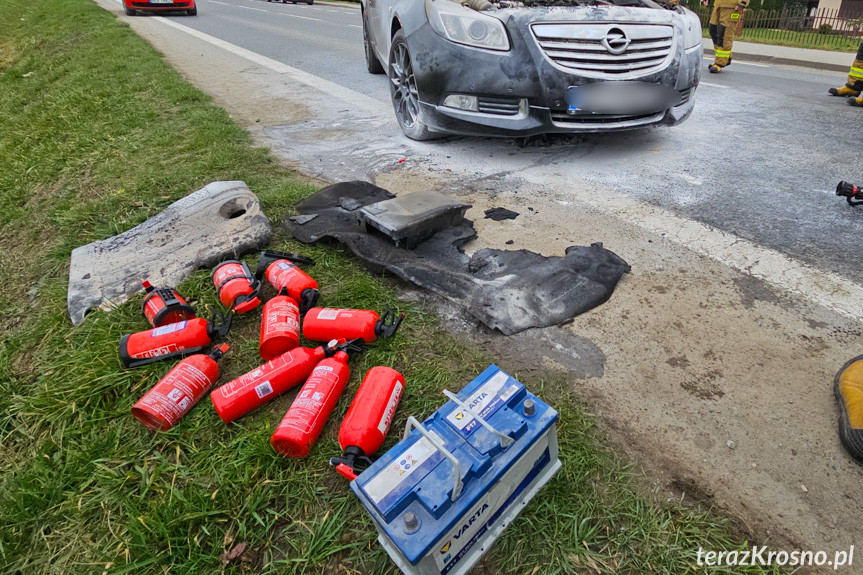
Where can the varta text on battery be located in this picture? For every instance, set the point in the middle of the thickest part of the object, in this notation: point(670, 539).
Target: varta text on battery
point(443, 494)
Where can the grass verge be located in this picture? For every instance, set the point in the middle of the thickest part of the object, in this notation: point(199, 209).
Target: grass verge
point(99, 133)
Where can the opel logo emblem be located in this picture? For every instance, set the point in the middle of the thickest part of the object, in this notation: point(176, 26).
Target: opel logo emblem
point(615, 41)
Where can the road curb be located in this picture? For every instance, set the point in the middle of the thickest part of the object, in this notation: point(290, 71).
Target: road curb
point(826, 66)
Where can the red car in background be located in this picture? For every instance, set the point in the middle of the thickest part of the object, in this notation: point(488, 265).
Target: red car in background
point(132, 7)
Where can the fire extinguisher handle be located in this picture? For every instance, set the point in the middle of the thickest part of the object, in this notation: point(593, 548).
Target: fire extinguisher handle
point(356, 464)
point(308, 298)
point(220, 325)
point(349, 346)
point(389, 323)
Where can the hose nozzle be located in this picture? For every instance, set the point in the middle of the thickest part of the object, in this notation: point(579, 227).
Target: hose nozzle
point(850, 192)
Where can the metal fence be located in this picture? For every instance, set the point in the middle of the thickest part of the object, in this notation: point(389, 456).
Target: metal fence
point(794, 25)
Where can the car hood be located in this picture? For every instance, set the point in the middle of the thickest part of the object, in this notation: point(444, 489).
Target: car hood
point(587, 14)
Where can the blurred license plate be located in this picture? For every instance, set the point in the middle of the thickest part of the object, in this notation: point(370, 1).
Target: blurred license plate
point(161, 1)
point(621, 98)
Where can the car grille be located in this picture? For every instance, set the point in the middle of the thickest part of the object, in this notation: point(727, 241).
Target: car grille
point(579, 48)
point(148, 5)
point(499, 106)
point(685, 95)
point(583, 120)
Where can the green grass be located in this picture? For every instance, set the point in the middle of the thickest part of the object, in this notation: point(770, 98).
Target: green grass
point(97, 134)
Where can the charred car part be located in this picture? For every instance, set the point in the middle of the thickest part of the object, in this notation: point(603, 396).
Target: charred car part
point(516, 67)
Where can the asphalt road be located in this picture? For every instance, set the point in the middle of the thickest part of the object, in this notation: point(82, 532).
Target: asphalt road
point(759, 158)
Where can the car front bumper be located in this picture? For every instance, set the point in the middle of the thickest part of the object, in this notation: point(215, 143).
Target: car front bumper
point(524, 92)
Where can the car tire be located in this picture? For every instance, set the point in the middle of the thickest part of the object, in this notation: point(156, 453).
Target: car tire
point(128, 11)
point(403, 91)
point(310, 2)
point(193, 11)
point(373, 65)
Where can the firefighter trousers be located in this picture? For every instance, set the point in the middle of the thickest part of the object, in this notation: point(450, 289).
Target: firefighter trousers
point(855, 76)
point(723, 25)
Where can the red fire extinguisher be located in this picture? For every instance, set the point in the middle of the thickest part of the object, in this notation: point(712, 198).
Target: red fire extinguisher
point(255, 388)
point(324, 324)
point(368, 420)
point(164, 305)
point(178, 392)
point(307, 416)
point(282, 271)
point(280, 326)
point(179, 339)
point(237, 287)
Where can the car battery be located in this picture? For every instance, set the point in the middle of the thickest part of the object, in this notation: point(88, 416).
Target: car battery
point(449, 488)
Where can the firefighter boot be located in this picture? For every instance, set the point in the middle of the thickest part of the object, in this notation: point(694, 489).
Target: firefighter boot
point(714, 68)
point(844, 91)
point(858, 101)
point(848, 388)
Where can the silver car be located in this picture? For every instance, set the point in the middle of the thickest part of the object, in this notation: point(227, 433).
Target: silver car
point(525, 67)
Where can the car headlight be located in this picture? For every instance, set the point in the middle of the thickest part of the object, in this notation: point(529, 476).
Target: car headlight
point(465, 26)
point(691, 29)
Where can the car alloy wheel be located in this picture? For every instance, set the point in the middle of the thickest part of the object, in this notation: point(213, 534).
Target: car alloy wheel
point(405, 96)
point(404, 92)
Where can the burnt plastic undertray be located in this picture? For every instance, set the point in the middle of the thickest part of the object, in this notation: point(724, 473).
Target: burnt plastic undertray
point(508, 290)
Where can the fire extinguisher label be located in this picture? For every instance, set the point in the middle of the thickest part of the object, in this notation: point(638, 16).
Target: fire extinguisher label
point(263, 389)
point(329, 314)
point(308, 406)
point(177, 393)
point(170, 328)
point(387, 417)
point(272, 369)
point(283, 317)
point(226, 271)
point(483, 403)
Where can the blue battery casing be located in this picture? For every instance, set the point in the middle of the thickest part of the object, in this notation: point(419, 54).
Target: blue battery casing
point(416, 477)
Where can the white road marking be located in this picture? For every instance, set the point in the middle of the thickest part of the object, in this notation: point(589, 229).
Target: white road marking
point(301, 17)
point(217, 2)
point(823, 288)
point(355, 25)
point(250, 8)
point(713, 85)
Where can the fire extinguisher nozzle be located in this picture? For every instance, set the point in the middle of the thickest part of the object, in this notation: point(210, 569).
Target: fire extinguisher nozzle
point(389, 323)
point(219, 351)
